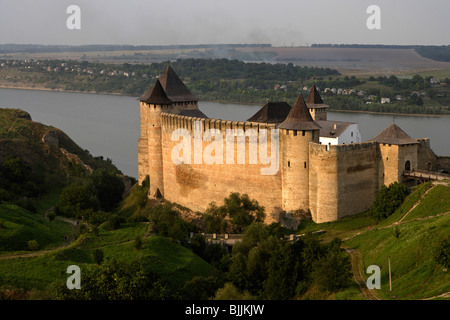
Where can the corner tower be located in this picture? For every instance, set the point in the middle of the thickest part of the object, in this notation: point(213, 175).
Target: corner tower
point(296, 132)
point(398, 152)
point(150, 161)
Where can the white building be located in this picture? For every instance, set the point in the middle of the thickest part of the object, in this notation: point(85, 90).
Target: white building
point(338, 132)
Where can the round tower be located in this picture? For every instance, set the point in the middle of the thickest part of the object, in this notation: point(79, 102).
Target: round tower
point(296, 132)
point(153, 103)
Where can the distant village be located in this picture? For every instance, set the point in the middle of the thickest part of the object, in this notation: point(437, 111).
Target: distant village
point(127, 71)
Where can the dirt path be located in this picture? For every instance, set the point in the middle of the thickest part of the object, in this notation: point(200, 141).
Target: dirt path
point(357, 274)
point(356, 256)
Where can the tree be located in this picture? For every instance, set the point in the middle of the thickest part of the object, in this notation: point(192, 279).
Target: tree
point(230, 292)
point(76, 198)
point(388, 199)
point(201, 288)
point(108, 187)
point(138, 243)
point(33, 245)
point(14, 169)
point(281, 280)
point(442, 252)
point(332, 271)
point(238, 209)
point(98, 256)
point(115, 280)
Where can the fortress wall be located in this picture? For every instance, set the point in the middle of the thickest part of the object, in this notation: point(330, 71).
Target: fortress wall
point(343, 179)
point(198, 183)
point(323, 187)
point(143, 165)
point(426, 158)
point(357, 177)
point(394, 158)
point(407, 153)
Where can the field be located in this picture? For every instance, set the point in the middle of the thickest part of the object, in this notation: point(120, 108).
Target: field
point(349, 61)
point(357, 61)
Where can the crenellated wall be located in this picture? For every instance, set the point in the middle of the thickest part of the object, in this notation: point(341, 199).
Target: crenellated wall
point(330, 181)
point(343, 179)
point(195, 183)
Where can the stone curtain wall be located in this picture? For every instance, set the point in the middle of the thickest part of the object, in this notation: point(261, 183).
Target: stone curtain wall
point(343, 179)
point(196, 185)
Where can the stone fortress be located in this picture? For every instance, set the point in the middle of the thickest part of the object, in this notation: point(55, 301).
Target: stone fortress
point(317, 174)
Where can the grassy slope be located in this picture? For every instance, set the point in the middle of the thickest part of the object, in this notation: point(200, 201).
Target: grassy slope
point(415, 274)
point(172, 261)
point(20, 226)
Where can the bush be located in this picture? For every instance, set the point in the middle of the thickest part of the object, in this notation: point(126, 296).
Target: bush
point(27, 204)
point(238, 209)
point(114, 280)
point(388, 199)
point(76, 198)
point(138, 243)
point(98, 256)
point(33, 245)
point(51, 216)
point(333, 271)
point(108, 188)
point(442, 252)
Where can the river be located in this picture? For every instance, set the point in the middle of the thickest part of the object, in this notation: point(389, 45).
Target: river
point(108, 125)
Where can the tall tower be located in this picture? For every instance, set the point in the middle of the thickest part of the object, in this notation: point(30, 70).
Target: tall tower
point(150, 158)
point(296, 132)
point(316, 107)
point(169, 94)
point(398, 152)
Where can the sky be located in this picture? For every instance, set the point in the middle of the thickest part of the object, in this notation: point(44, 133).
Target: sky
point(280, 22)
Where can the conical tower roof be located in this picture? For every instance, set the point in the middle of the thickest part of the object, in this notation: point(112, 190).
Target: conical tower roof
point(175, 89)
point(314, 96)
point(394, 135)
point(299, 117)
point(272, 112)
point(156, 95)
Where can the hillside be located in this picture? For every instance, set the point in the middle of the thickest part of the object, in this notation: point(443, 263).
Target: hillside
point(18, 226)
point(409, 237)
point(41, 146)
point(39, 166)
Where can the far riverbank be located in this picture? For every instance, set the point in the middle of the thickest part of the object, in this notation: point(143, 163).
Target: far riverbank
point(219, 101)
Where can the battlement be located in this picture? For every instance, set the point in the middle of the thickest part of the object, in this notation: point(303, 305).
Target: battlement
point(174, 121)
point(281, 165)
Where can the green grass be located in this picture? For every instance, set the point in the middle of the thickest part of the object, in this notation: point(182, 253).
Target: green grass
point(173, 262)
point(415, 195)
point(415, 274)
point(437, 201)
point(20, 226)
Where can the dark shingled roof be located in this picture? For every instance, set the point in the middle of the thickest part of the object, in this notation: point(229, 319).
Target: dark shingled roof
point(174, 87)
point(156, 95)
point(314, 99)
point(314, 96)
point(394, 135)
point(195, 113)
point(272, 112)
point(299, 117)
